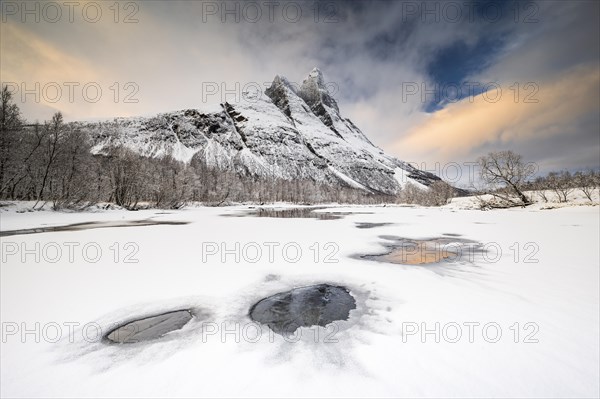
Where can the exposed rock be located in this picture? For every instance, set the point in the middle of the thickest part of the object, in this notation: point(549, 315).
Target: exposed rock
point(283, 133)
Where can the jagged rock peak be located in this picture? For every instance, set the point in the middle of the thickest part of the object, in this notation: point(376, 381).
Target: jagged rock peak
point(281, 80)
point(317, 75)
point(278, 94)
point(291, 134)
point(314, 91)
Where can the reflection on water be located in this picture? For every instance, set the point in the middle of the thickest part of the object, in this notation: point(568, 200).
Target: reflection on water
point(406, 251)
point(296, 213)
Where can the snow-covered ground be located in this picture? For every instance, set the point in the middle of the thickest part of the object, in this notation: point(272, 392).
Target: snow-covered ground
point(521, 321)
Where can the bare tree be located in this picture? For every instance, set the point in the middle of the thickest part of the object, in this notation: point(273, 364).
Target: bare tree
point(441, 193)
point(126, 172)
point(587, 182)
point(437, 194)
point(505, 174)
point(562, 183)
point(409, 194)
point(71, 182)
point(11, 124)
point(54, 128)
point(540, 187)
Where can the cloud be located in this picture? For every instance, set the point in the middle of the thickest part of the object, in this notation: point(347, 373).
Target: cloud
point(369, 51)
point(29, 60)
point(462, 129)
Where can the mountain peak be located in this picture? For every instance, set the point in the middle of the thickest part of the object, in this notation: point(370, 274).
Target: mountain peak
point(315, 93)
point(280, 80)
point(316, 76)
point(316, 73)
point(292, 134)
point(279, 93)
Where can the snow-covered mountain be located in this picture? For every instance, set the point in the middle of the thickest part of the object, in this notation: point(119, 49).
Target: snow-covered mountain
point(284, 133)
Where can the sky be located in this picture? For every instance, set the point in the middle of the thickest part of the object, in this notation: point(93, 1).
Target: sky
point(435, 83)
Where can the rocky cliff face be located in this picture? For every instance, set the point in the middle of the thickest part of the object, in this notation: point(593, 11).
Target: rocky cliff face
point(284, 133)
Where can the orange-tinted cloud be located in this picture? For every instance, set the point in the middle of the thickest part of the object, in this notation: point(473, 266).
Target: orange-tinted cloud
point(28, 57)
point(30, 63)
point(459, 128)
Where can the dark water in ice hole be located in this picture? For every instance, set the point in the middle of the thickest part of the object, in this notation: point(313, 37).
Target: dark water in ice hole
point(90, 225)
point(367, 225)
point(284, 313)
point(315, 305)
point(295, 213)
point(149, 328)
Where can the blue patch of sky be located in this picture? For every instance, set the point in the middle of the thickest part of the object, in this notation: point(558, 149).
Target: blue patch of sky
point(451, 67)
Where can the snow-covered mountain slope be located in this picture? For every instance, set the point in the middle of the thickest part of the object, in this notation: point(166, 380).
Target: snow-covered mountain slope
point(286, 133)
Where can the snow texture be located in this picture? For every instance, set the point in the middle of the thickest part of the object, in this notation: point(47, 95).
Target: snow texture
point(553, 284)
point(284, 133)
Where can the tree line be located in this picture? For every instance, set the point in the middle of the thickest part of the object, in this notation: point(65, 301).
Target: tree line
point(509, 181)
point(53, 163)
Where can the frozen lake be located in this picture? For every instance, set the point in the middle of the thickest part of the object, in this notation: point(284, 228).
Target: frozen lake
point(512, 310)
